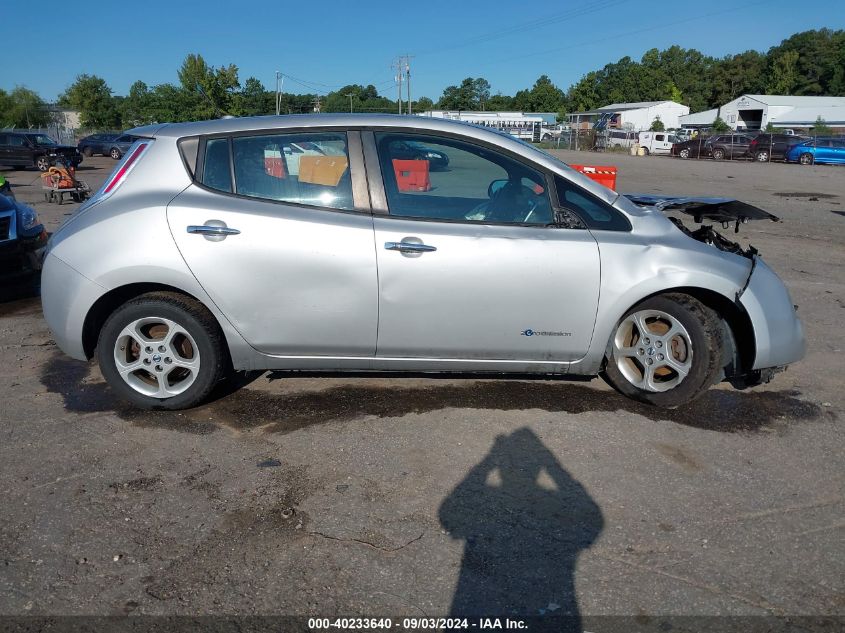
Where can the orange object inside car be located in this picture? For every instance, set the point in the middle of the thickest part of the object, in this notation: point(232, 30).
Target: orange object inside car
point(412, 175)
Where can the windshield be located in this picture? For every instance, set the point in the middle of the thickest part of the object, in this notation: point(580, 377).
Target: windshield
point(42, 139)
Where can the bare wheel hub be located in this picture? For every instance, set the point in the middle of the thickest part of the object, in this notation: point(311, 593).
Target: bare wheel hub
point(652, 350)
point(157, 357)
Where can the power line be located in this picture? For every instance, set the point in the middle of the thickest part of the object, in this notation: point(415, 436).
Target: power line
point(555, 18)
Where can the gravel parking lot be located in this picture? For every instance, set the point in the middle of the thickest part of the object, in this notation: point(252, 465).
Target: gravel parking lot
point(387, 496)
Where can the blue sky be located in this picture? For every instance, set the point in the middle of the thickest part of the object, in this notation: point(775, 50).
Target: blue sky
point(328, 43)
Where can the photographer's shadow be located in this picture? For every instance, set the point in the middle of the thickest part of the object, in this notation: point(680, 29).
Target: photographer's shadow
point(524, 520)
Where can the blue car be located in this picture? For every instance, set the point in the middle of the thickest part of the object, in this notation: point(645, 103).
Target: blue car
point(819, 150)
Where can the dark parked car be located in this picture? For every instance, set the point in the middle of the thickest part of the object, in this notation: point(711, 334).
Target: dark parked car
point(730, 146)
point(766, 147)
point(97, 144)
point(119, 146)
point(692, 148)
point(31, 149)
point(412, 150)
point(23, 239)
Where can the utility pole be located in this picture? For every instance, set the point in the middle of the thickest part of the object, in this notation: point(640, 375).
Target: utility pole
point(397, 65)
point(402, 66)
point(316, 103)
point(407, 60)
point(350, 95)
point(280, 81)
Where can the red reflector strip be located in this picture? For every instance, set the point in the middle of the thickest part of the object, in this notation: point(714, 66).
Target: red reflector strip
point(125, 167)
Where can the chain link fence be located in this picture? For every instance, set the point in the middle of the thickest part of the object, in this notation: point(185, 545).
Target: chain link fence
point(62, 135)
point(752, 145)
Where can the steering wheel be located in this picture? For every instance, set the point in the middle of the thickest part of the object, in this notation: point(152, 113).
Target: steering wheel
point(506, 202)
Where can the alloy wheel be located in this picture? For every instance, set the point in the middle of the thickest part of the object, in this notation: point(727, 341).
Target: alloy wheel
point(652, 350)
point(157, 357)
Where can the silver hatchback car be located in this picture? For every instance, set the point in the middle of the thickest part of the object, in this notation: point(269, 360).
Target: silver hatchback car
point(319, 243)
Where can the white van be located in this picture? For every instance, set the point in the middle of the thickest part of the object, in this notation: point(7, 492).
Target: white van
point(621, 138)
point(657, 142)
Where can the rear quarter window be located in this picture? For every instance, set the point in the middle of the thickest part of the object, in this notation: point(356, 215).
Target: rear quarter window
point(596, 214)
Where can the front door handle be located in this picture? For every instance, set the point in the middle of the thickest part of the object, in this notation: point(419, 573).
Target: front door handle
point(409, 247)
point(213, 230)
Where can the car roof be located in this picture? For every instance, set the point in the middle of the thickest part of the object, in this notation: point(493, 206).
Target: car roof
point(339, 120)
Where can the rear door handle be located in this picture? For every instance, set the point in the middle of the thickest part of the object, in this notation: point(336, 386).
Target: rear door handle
point(409, 247)
point(213, 230)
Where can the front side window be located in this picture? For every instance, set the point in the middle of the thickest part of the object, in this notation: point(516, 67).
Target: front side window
point(432, 177)
point(299, 168)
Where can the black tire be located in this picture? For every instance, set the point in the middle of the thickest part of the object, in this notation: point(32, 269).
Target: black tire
point(806, 159)
point(190, 315)
point(42, 163)
point(115, 153)
point(684, 153)
point(645, 151)
point(763, 156)
point(706, 337)
point(718, 153)
point(88, 152)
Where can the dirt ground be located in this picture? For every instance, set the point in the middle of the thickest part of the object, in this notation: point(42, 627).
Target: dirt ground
point(407, 496)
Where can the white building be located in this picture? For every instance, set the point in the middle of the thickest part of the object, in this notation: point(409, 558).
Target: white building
point(520, 124)
point(632, 116)
point(755, 112)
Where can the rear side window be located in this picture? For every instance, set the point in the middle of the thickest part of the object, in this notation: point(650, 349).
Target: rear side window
point(298, 168)
point(595, 213)
point(216, 172)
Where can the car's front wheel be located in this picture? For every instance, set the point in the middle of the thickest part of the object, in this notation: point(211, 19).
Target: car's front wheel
point(87, 151)
point(115, 153)
point(666, 351)
point(42, 163)
point(684, 153)
point(762, 156)
point(806, 159)
point(162, 350)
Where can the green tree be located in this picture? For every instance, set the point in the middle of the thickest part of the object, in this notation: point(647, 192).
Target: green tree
point(472, 94)
point(719, 125)
point(423, 103)
point(821, 128)
point(92, 97)
point(657, 125)
point(255, 100)
point(214, 88)
point(543, 96)
point(784, 73)
point(22, 108)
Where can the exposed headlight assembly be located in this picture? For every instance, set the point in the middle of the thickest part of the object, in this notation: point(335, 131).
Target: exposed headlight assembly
point(27, 217)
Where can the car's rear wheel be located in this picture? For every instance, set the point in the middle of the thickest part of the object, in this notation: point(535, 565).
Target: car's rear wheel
point(115, 153)
point(666, 351)
point(718, 153)
point(684, 153)
point(762, 156)
point(806, 159)
point(42, 163)
point(162, 350)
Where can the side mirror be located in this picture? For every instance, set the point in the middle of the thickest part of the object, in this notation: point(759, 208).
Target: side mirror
point(495, 187)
